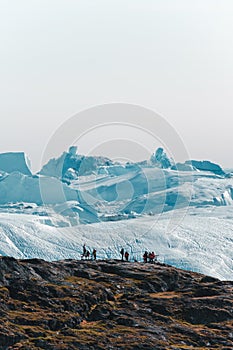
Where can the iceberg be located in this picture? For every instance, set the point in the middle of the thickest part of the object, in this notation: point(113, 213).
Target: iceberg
point(206, 165)
point(15, 161)
point(17, 187)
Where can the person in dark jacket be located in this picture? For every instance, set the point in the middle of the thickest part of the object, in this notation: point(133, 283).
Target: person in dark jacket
point(145, 257)
point(122, 254)
point(94, 254)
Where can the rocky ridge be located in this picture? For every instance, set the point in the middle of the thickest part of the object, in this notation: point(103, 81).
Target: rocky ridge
point(111, 304)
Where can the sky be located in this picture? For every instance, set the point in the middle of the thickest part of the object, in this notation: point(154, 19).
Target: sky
point(60, 57)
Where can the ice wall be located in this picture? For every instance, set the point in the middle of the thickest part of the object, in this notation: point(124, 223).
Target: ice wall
point(15, 161)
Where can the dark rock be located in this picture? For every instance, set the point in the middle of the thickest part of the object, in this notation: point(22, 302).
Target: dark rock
point(100, 312)
point(208, 279)
point(206, 314)
point(126, 321)
point(111, 305)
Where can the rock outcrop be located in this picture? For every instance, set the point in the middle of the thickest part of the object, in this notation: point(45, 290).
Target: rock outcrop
point(111, 305)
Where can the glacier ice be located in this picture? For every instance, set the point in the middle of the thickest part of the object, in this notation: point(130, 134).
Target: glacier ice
point(206, 165)
point(183, 211)
point(17, 187)
point(15, 161)
point(161, 159)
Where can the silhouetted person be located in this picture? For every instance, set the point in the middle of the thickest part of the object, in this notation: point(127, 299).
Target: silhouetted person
point(122, 254)
point(94, 254)
point(145, 257)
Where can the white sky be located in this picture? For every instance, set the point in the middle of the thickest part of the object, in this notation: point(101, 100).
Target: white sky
point(61, 56)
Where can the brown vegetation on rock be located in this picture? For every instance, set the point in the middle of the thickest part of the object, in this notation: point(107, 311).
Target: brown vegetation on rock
point(111, 305)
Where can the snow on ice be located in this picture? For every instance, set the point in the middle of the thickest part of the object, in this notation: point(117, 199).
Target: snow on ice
point(184, 212)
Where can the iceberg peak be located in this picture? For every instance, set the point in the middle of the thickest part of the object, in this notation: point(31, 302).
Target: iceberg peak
point(160, 159)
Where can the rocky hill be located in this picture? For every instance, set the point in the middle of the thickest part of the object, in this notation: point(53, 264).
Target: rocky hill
point(111, 305)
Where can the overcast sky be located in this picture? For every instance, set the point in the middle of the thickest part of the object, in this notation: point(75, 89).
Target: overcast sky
point(172, 56)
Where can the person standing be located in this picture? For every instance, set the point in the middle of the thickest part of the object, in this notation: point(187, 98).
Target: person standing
point(94, 254)
point(126, 256)
point(153, 256)
point(145, 257)
point(122, 254)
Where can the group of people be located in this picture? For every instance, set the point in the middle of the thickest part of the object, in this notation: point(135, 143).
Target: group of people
point(124, 254)
point(150, 257)
point(87, 255)
point(147, 257)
